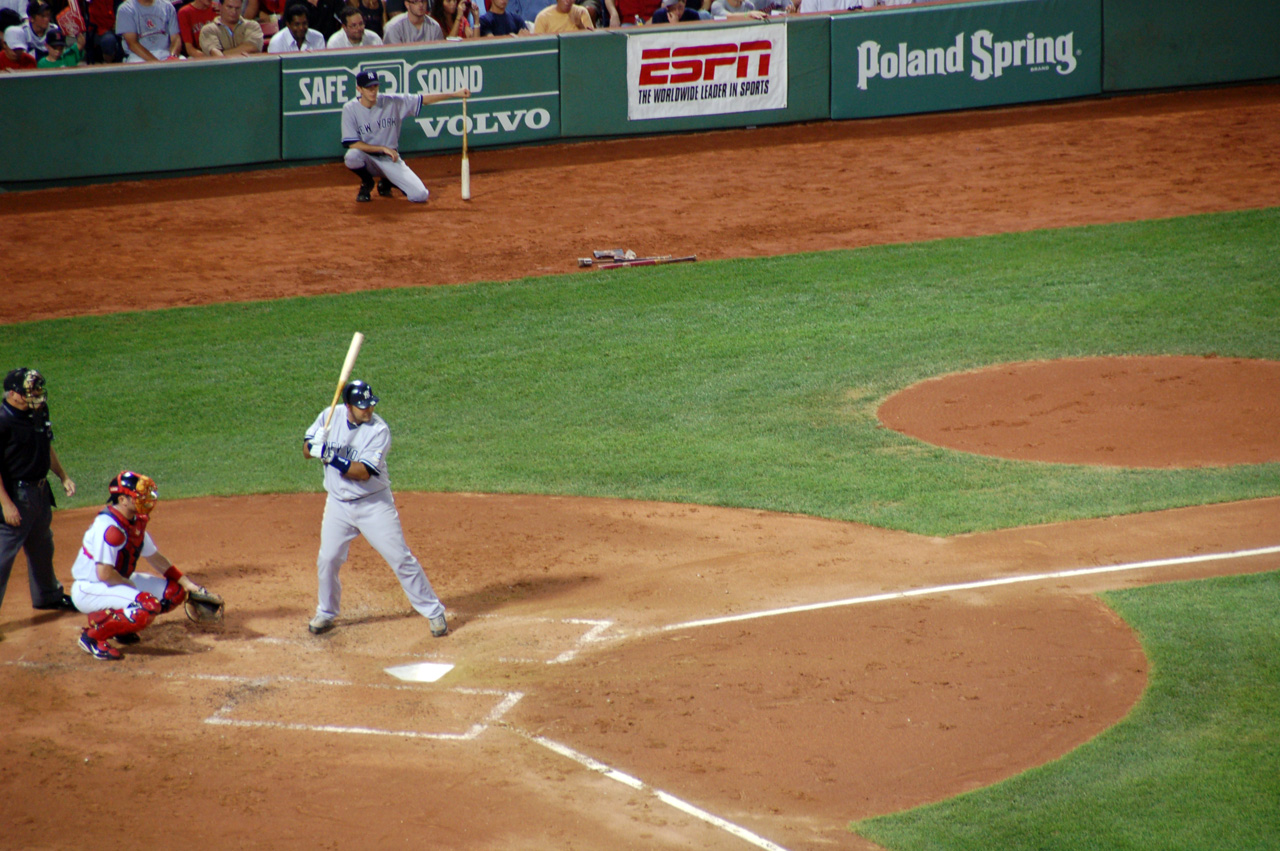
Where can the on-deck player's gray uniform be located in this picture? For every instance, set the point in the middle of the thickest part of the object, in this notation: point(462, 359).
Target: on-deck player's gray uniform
point(380, 126)
point(364, 508)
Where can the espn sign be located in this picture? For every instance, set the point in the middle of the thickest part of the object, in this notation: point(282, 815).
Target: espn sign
point(706, 72)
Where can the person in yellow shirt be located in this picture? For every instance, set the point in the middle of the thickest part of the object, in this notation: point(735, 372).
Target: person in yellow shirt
point(562, 17)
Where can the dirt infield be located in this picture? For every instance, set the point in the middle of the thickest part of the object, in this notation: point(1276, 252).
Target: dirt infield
point(602, 696)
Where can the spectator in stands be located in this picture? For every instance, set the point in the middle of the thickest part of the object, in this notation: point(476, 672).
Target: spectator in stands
point(269, 14)
point(297, 36)
point(230, 35)
point(69, 18)
point(149, 29)
point(674, 12)
point(413, 26)
point(11, 59)
point(31, 33)
point(322, 15)
point(62, 54)
point(101, 42)
point(731, 10)
point(453, 16)
point(12, 13)
point(375, 16)
point(500, 21)
point(192, 17)
point(563, 17)
point(353, 32)
point(635, 11)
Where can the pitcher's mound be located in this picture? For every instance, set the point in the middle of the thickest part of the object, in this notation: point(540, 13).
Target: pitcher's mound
point(1125, 411)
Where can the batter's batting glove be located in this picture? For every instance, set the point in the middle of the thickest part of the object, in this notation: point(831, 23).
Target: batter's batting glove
point(316, 448)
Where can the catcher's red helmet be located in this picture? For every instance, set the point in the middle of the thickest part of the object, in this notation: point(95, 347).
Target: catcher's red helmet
point(141, 488)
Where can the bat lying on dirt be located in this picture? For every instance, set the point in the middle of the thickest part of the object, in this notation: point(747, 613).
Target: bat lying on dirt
point(648, 261)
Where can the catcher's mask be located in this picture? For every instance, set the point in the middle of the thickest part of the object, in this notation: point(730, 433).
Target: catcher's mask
point(359, 394)
point(28, 383)
point(141, 488)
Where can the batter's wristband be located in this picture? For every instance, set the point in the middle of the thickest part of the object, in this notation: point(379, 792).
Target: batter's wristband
point(173, 574)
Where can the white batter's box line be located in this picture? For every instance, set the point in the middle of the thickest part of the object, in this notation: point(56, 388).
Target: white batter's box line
point(640, 786)
point(594, 635)
point(978, 584)
point(494, 716)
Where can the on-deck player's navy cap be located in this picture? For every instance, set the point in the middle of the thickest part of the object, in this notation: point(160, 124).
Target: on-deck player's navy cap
point(365, 79)
point(359, 394)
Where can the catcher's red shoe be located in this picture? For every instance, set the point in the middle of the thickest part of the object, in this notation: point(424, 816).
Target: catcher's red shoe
point(98, 649)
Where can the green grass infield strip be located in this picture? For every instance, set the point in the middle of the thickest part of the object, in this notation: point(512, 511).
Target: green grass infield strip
point(738, 383)
point(1192, 767)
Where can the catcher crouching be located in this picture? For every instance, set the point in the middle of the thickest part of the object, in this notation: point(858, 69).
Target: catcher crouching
point(120, 600)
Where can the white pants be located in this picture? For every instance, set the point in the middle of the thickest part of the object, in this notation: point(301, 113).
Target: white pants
point(92, 597)
point(376, 518)
point(397, 172)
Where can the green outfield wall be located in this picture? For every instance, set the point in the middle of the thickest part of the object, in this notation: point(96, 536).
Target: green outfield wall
point(604, 78)
point(177, 117)
point(964, 55)
point(1154, 44)
point(514, 83)
point(170, 116)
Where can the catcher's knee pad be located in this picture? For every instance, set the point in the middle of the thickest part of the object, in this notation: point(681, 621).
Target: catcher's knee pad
point(174, 596)
point(112, 622)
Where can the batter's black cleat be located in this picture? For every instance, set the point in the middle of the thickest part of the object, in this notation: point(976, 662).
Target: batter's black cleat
point(384, 188)
point(439, 626)
point(363, 194)
point(320, 624)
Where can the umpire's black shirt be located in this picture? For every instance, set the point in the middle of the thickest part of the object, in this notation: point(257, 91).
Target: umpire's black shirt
point(25, 437)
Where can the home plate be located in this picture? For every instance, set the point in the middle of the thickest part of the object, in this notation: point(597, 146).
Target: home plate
point(421, 672)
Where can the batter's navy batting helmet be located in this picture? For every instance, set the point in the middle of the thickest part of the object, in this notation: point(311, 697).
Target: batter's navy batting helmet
point(359, 394)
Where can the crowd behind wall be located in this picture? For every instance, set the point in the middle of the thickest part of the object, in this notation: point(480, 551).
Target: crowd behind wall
point(66, 33)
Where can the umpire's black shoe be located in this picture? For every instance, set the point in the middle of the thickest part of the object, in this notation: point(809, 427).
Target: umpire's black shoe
point(128, 638)
point(363, 194)
point(384, 188)
point(62, 604)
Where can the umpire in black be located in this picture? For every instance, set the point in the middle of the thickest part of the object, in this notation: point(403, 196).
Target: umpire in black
point(26, 457)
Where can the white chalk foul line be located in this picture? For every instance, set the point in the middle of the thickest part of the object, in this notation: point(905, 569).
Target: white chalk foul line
point(969, 586)
point(667, 798)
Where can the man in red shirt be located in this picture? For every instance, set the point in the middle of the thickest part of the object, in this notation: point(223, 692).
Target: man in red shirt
point(191, 17)
point(632, 11)
point(15, 60)
point(104, 44)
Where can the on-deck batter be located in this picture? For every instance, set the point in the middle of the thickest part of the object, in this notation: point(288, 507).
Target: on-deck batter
point(371, 134)
point(360, 503)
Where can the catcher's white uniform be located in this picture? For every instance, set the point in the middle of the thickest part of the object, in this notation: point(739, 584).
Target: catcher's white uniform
point(364, 508)
point(107, 542)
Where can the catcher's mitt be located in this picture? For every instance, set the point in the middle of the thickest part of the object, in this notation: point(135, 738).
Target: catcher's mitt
point(203, 606)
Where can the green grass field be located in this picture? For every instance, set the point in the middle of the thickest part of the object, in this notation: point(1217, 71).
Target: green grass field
point(740, 383)
point(1192, 768)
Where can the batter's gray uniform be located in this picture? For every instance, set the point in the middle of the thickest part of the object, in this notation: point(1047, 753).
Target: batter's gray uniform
point(380, 126)
point(364, 508)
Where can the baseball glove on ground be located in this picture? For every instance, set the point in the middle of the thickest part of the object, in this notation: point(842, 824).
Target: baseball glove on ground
point(203, 606)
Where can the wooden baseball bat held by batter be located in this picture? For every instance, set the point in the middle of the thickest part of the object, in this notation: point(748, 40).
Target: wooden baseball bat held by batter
point(466, 163)
point(357, 340)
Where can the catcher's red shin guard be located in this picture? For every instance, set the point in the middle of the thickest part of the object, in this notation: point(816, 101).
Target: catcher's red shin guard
point(112, 622)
